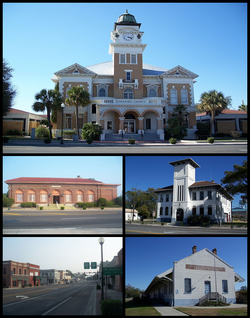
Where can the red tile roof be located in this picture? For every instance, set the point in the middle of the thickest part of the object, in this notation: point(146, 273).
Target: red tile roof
point(226, 111)
point(53, 180)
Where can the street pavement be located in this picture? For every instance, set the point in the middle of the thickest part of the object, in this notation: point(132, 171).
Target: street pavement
point(158, 229)
point(121, 147)
point(90, 221)
point(80, 298)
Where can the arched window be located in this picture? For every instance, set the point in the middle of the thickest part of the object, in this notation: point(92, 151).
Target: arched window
point(31, 196)
point(184, 96)
point(151, 92)
point(79, 196)
point(161, 210)
point(173, 96)
point(91, 196)
point(128, 93)
point(68, 196)
point(166, 210)
point(194, 210)
point(102, 92)
point(209, 210)
point(19, 196)
point(43, 196)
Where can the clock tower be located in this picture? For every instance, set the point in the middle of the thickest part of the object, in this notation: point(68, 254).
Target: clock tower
point(127, 50)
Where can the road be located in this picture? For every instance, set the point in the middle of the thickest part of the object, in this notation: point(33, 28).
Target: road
point(140, 229)
point(66, 299)
point(29, 146)
point(96, 221)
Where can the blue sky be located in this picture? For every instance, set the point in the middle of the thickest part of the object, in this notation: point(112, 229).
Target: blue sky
point(208, 39)
point(143, 172)
point(60, 252)
point(107, 169)
point(147, 257)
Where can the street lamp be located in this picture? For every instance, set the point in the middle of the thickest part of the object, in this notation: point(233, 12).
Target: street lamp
point(101, 241)
point(62, 105)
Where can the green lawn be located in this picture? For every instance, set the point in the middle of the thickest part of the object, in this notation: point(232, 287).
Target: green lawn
point(214, 311)
point(131, 309)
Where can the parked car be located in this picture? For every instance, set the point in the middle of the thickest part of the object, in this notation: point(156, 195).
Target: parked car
point(67, 282)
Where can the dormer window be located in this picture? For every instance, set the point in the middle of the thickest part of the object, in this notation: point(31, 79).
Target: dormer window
point(177, 72)
point(76, 71)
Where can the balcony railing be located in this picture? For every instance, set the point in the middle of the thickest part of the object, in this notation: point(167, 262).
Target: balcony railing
point(212, 296)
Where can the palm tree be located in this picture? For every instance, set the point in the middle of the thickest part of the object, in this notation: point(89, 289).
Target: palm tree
point(77, 96)
point(49, 100)
point(213, 103)
point(180, 112)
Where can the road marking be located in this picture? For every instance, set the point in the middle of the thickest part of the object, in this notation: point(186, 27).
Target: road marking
point(86, 217)
point(145, 232)
point(56, 306)
point(9, 213)
point(23, 297)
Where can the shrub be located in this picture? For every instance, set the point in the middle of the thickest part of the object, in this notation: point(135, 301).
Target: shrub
point(98, 286)
point(5, 139)
point(47, 141)
point(69, 133)
point(91, 131)
point(102, 202)
point(102, 207)
point(235, 134)
point(42, 131)
point(199, 219)
point(118, 201)
point(7, 201)
point(41, 208)
point(89, 141)
point(172, 141)
point(28, 204)
point(210, 140)
point(131, 141)
point(62, 207)
point(111, 307)
point(14, 132)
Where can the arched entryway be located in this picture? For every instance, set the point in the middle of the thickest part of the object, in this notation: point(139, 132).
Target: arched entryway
point(130, 123)
point(56, 196)
point(179, 215)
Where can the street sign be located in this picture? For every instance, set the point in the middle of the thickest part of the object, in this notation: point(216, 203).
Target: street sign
point(112, 271)
point(93, 265)
point(86, 265)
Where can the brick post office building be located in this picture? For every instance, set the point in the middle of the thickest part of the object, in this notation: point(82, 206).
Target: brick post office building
point(67, 191)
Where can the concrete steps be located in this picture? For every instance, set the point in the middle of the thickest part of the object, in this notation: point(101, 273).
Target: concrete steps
point(146, 137)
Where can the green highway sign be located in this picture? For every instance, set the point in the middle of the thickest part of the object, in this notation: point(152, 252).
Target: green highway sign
point(112, 271)
point(86, 265)
point(93, 265)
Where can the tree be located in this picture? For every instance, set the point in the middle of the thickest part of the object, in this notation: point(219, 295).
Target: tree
point(47, 100)
point(213, 103)
point(243, 107)
point(174, 129)
point(102, 202)
point(131, 291)
point(91, 131)
point(78, 97)
point(235, 182)
point(143, 210)
point(180, 112)
point(9, 92)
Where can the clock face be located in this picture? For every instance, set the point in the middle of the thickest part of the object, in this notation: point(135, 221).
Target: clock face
point(128, 36)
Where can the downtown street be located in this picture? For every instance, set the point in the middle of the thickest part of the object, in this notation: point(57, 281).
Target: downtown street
point(66, 299)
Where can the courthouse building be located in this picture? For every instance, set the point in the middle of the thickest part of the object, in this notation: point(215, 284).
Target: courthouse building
point(200, 277)
point(190, 197)
point(67, 191)
point(126, 95)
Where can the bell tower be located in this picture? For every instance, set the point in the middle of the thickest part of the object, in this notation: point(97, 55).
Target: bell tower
point(184, 176)
point(127, 49)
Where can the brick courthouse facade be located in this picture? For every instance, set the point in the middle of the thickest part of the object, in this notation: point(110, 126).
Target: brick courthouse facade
point(67, 191)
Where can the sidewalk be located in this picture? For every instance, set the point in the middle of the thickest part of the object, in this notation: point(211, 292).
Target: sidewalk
point(111, 294)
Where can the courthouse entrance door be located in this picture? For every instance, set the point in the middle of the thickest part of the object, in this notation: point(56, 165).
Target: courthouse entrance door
point(129, 126)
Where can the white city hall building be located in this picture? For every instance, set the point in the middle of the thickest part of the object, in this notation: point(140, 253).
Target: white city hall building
point(200, 277)
point(190, 197)
point(126, 95)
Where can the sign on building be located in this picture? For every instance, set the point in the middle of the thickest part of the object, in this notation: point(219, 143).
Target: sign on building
point(112, 271)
